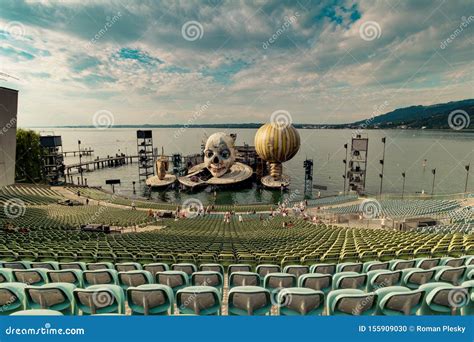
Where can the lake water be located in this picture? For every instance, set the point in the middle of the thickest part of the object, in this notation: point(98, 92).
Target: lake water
point(406, 150)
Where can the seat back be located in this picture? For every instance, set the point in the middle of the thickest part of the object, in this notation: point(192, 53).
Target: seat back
point(128, 266)
point(99, 277)
point(323, 268)
point(187, 268)
point(156, 267)
point(316, 281)
point(151, 299)
point(249, 300)
point(72, 276)
point(56, 296)
point(296, 270)
point(174, 279)
point(12, 297)
point(198, 300)
point(264, 269)
point(32, 276)
point(134, 278)
point(300, 301)
point(207, 278)
point(100, 299)
point(244, 279)
point(351, 302)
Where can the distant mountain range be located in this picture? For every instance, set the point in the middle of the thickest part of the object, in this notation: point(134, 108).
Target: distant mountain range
point(430, 117)
point(414, 117)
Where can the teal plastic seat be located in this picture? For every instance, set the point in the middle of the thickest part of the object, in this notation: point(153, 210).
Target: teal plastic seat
point(398, 300)
point(49, 265)
point(375, 265)
point(238, 268)
point(442, 299)
point(249, 301)
point(383, 278)
point(467, 310)
point(316, 281)
point(77, 265)
point(427, 263)
point(16, 265)
point(349, 280)
point(199, 300)
point(264, 269)
point(323, 268)
point(100, 299)
point(415, 277)
point(37, 312)
point(71, 276)
point(275, 282)
point(349, 267)
point(93, 266)
point(134, 279)
point(448, 274)
point(98, 277)
point(400, 264)
point(212, 267)
point(151, 299)
point(296, 270)
point(244, 279)
point(174, 279)
point(31, 276)
point(55, 296)
point(469, 260)
point(156, 267)
point(12, 297)
point(6, 275)
point(453, 262)
point(187, 268)
point(351, 302)
point(128, 266)
point(208, 278)
point(298, 301)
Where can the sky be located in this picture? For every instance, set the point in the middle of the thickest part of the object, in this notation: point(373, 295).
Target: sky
point(213, 61)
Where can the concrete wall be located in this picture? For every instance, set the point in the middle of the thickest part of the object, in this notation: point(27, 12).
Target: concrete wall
point(8, 119)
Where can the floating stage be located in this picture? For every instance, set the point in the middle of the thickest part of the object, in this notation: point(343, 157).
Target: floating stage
point(270, 182)
point(156, 182)
point(199, 176)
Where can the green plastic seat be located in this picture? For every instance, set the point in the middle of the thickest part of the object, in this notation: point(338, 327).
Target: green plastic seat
point(349, 280)
point(16, 265)
point(383, 278)
point(176, 280)
point(298, 301)
point(398, 300)
point(351, 302)
point(296, 270)
point(323, 268)
point(427, 263)
point(77, 265)
point(212, 267)
point(31, 276)
point(55, 296)
point(6, 275)
point(36, 312)
point(66, 276)
point(128, 266)
point(349, 267)
point(93, 266)
point(100, 299)
point(12, 297)
point(188, 268)
point(244, 279)
point(275, 282)
point(440, 299)
point(264, 269)
point(375, 265)
point(249, 301)
point(467, 310)
point(151, 299)
point(48, 265)
point(134, 279)
point(208, 278)
point(238, 268)
point(199, 300)
point(316, 281)
point(453, 262)
point(448, 274)
point(97, 277)
point(413, 278)
point(155, 267)
point(398, 264)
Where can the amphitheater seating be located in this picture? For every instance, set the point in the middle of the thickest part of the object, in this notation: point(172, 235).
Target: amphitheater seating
point(88, 290)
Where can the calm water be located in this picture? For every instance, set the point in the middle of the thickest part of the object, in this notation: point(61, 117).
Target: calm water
point(448, 152)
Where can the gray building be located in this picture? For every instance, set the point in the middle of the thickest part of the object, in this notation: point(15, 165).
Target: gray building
point(8, 119)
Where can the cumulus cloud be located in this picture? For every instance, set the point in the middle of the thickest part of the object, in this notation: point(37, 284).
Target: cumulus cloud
point(74, 58)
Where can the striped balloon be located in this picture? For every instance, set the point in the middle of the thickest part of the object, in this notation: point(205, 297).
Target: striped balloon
point(277, 143)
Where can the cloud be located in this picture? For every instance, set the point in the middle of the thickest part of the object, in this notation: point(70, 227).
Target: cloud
point(74, 58)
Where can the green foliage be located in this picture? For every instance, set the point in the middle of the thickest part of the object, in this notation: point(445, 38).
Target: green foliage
point(28, 156)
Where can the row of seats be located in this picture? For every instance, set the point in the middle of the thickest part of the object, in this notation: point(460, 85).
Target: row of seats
point(157, 299)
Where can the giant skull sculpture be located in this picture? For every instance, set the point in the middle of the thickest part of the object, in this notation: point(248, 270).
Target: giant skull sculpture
point(219, 153)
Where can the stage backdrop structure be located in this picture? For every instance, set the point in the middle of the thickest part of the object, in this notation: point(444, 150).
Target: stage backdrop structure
point(219, 167)
point(276, 143)
point(8, 119)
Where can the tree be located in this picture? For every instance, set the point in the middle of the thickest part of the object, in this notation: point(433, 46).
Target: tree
point(28, 156)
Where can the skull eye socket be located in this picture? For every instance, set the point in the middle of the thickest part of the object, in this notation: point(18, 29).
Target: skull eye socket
point(225, 154)
point(208, 153)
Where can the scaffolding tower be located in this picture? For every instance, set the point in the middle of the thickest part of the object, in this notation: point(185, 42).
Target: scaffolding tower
point(308, 178)
point(357, 168)
point(52, 159)
point(145, 154)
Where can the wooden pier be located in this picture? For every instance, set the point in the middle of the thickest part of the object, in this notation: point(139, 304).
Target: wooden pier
point(84, 152)
point(100, 163)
